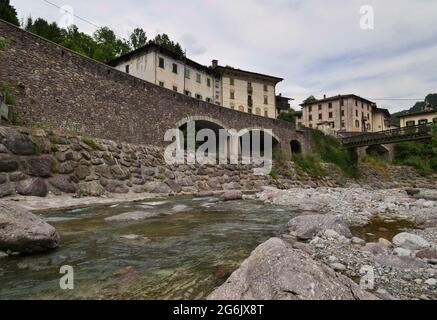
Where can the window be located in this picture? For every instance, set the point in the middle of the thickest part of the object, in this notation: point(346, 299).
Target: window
point(356, 103)
point(330, 105)
point(241, 108)
point(175, 68)
point(266, 113)
point(208, 100)
point(266, 100)
point(411, 123)
point(232, 106)
point(231, 81)
point(232, 95)
point(343, 125)
point(266, 88)
point(198, 78)
point(187, 93)
point(127, 69)
point(310, 117)
point(310, 108)
point(330, 115)
point(161, 63)
point(161, 83)
point(249, 110)
point(320, 116)
point(258, 111)
point(342, 113)
point(357, 124)
point(208, 82)
point(198, 96)
point(320, 107)
point(249, 101)
point(187, 73)
point(175, 88)
point(342, 103)
point(423, 121)
point(356, 113)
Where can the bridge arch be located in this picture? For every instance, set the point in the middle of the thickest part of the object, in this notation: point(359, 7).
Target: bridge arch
point(379, 151)
point(201, 119)
point(296, 147)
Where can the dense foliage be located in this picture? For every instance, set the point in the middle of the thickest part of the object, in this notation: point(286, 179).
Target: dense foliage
point(103, 45)
point(419, 154)
point(8, 12)
point(430, 102)
point(287, 116)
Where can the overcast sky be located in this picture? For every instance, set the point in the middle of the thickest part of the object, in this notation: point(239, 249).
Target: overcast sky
point(317, 46)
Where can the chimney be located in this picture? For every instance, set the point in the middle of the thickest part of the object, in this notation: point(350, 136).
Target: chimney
point(324, 96)
point(214, 63)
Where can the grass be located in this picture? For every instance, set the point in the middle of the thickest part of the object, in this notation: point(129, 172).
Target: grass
point(38, 148)
point(309, 164)
point(329, 150)
point(274, 174)
point(377, 163)
point(4, 43)
point(6, 92)
point(421, 155)
point(90, 142)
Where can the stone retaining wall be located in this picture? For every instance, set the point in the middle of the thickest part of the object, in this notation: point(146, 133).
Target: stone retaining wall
point(36, 162)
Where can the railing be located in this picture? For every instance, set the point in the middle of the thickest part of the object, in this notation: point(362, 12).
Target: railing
point(389, 136)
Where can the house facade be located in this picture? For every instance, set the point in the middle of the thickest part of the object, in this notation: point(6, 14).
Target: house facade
point(232, 88)
point(418, 118)
point(343, 113)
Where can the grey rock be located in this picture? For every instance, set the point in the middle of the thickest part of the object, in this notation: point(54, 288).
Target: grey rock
point(114, 186)
point(157, 187)
point(375, 248)
point(232, 195)
point(6, 190)
point(410, 241)
point(132, 216)
point(175, 187)
point(39, 167)
point(204, 194)
point(19, 143)
point(32, 187)
point(82, 172)
point(2, 178)
point(24, 232)
point(401, 252)
point(17, 176)
point(8, 164)
point(338, 266)
point(358, 241)
point(308, 226)
point(90, 189)
point(276, 271)
point(64, 183)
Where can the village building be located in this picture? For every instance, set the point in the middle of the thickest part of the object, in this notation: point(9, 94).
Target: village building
point(232, 88)
point(343, 113)
point(418, 118)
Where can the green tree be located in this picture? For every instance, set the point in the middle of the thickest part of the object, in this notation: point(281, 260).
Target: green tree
point(138, 38)
point(163, 40)
point(108, 45)
point(287, 116)
point(8, 12)
point(79, 41)
point(310, 99)
point(41, 27)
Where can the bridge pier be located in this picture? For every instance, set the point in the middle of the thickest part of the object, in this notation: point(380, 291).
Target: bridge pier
point(385, 151)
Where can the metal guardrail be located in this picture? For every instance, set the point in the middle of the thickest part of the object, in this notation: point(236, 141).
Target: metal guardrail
point(389, 136)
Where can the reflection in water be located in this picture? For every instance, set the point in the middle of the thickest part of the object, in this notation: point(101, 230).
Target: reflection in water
point(186, 251)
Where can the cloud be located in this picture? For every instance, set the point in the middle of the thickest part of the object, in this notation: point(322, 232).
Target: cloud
point(317, 46)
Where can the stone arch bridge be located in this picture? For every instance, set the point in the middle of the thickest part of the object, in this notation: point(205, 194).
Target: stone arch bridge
point(58, 88)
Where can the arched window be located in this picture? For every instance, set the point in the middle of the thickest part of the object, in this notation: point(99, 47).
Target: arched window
point(241, 108)
point(357, 123)
point(258, 111)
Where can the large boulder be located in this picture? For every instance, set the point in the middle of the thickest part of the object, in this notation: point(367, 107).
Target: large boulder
point(19, 143)
point(306, 227)
point(63, 183)
point(39, 167)
point(35, 187)
point(275, 271)
point(232, 195)
point(24, 232)
point(6, 190)
point(157, 187)
point(410, 241)
point(8, 163)
point(114, 186)
point(91, 189)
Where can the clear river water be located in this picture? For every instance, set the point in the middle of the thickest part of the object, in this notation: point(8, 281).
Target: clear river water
point(190, 248)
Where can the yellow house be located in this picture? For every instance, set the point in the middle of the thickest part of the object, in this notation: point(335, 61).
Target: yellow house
point(418, 118)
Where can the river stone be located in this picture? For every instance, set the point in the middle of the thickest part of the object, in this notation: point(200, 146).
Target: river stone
point(204, 194)
point(8, 164)
point(308, 226)
point(410, 241)
point(375, 248)
point(23, 232)
point(90, 189)
point(157, 187)
point(401, 252)
point(35, 187)
point(232, 195)
point(427, 254)
point(63, 183)
point(39, 167)
point(132, 216)
point(175, 187)
point(6, 190)
point(19, 143)
point(276, 271)
point(114, 186)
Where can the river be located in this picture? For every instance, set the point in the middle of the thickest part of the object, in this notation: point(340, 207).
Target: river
point(190, 248)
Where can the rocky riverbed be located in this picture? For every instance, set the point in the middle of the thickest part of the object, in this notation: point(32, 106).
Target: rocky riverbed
point(395, 256)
